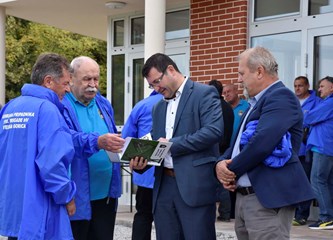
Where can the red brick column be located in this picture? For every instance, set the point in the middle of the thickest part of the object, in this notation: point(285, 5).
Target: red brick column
point(218, 36)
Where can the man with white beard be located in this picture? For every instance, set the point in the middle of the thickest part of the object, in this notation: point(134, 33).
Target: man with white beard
point(90, 118)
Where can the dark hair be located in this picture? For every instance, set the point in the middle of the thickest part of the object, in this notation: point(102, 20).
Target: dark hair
point(306, 80)
point(49, 64)
point(328, 78)
point(159, 61)
point(217, 85)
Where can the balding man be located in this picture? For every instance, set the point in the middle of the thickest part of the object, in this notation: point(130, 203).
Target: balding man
point(90, 117)
point(230, 93)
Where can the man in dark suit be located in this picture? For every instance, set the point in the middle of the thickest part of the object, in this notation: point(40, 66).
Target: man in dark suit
point(266, 194)
point(190, 117)
point(223, 196)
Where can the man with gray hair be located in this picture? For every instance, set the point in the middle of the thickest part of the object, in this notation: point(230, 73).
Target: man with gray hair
point(36, 150)
point(90, 118)
point(266, 191)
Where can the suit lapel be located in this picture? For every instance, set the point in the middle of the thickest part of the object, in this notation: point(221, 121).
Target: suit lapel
point(188, 88)
point(275, 86)
point(161, 124)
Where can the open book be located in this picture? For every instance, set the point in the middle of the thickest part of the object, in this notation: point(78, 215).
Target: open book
point(153, 151)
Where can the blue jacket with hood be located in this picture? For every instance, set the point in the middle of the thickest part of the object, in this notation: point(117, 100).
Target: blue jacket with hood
point(308, 105)
point(36, 150)
point(320, 120)
point(86, 145)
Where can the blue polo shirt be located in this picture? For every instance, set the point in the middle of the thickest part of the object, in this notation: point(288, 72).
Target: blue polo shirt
point(238, 112)
point(100, 167)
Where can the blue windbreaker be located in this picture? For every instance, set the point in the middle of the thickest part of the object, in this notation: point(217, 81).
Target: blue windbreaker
point(320, 120)
point(137, 125)
point(36, 150)
point(86, 145)
point(310, 103)
point(280, 155)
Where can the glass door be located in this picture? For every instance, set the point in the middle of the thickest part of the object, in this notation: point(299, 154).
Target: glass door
point(135, 82)
point(320, 52)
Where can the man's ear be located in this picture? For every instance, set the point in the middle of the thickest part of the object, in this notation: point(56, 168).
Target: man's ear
point(260, 72)
point(47, 81)
point(171, 69)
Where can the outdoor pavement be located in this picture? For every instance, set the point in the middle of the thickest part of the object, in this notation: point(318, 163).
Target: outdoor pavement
point(224, 230)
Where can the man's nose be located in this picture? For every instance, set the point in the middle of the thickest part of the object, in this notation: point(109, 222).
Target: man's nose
point(92, 83)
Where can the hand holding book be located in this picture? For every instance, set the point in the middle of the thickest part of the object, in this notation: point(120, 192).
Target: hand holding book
point(153, 151)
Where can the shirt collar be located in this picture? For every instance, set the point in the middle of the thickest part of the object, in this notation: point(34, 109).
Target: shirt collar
point(179, 91)
point(252, 101)
point(74, 99)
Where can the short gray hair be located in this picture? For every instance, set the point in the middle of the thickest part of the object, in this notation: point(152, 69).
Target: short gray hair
point(77, 62)
point(49, 64)
point(260, 56)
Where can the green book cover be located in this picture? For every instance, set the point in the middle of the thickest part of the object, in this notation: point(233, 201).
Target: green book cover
point(153, 151)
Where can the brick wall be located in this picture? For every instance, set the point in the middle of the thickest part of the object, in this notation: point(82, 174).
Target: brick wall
point(218, 36)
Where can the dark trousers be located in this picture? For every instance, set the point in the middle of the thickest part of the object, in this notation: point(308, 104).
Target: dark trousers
point(143, 218)
point(224, 208)
point(175, 220)
point(232, 204)
point(303, 208)
point(101, 225)
point(227, 201)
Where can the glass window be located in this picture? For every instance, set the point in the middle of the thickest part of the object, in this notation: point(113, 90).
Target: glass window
point(286, 49)
point(138, 30)
point(266, 9)
point(138, 81)
point(118, 87)
point(320, 6)
point(118, 35)
point(177, 25)
point(323, 61)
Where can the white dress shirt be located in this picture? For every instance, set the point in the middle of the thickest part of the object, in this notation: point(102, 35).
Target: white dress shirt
point(170, 120)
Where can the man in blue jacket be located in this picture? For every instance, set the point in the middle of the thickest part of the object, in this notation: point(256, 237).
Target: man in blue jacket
point(90, 118)
point(36, 150)
point(320, 141)
point(138, 125)
point(308, 101)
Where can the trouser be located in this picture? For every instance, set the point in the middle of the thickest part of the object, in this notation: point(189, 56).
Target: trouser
point(255, 222)
point(101, 224)
point(224, 202)
point(175, 220)
point(143, 218)
point(303, 208)
point(322, 184)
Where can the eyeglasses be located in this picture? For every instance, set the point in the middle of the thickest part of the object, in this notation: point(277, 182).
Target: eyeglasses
point(156, 81)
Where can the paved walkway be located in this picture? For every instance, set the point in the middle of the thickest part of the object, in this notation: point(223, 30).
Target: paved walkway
point(225, 231)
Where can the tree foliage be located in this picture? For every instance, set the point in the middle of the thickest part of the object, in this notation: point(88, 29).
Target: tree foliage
point(25, 41)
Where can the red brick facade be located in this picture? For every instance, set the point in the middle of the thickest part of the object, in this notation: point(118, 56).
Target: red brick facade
point(218, 36)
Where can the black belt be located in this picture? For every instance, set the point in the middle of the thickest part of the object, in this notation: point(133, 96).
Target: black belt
point(170, 172)
point(245, 190)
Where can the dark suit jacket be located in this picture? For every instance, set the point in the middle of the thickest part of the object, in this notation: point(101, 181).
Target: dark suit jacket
point(277, 111)
point(197, 131)
point(228, 119)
